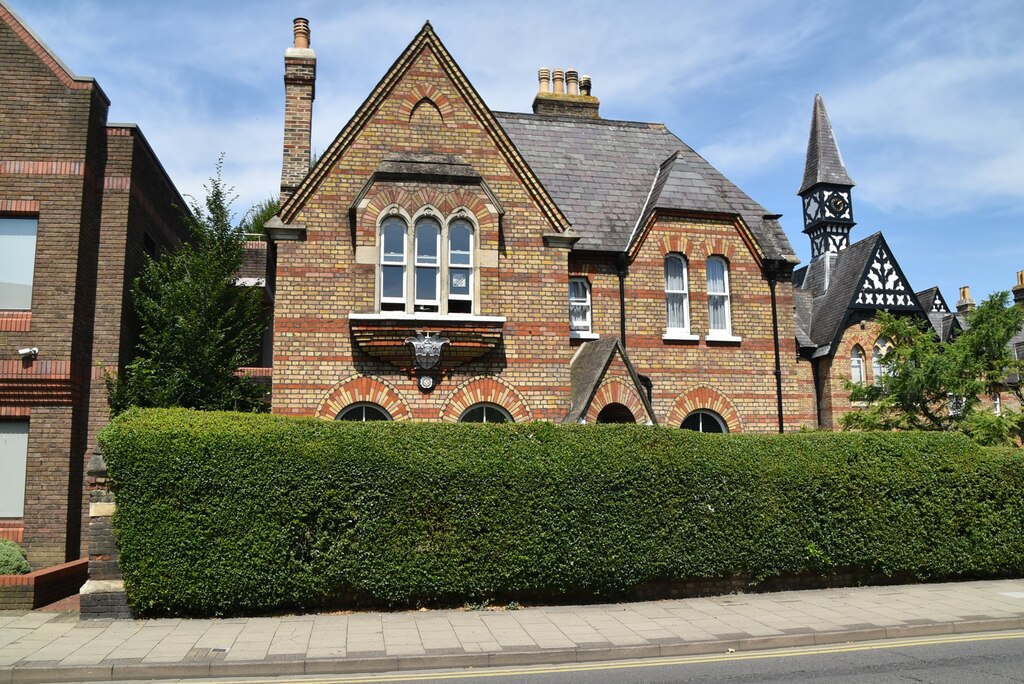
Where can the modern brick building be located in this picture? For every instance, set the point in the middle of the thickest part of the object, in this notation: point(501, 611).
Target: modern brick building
point(81, 202)
point(443, 261)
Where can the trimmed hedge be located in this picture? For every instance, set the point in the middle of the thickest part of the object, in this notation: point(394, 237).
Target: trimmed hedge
point(224, 513)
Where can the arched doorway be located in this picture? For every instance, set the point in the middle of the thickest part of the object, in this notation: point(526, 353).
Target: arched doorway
point(615, 413)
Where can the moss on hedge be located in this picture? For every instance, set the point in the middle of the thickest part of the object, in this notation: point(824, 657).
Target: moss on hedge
point(223, 513)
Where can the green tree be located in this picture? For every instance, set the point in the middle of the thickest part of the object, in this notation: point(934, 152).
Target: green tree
point(932, 385)
point(196, 327)
point(256, 218)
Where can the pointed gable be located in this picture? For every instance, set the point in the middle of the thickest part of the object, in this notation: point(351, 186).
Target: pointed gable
point(883, 285)
point(426, 45)
point(587, 370)
point(824, 162)
point(931, 300)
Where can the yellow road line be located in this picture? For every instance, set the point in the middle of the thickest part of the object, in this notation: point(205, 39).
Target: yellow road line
point(649, 662)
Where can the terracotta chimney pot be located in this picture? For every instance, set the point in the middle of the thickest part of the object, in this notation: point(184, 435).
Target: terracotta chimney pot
point(966, 303)
point(572, 81)
point(301, 30)
point(544, 80)
point(585, 85)
point(559, 78)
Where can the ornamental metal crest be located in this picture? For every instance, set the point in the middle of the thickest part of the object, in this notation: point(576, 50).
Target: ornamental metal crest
point(427, 348)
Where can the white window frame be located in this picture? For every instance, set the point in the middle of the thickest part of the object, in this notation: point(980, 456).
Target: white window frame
point(411, 261)
point(13, 228)
point(487, 406)
point(878, 369)
point(719, 334)
point(404, 263)
point(675, 332)
point(362, 406)
point(582, 332)
point(857, 365)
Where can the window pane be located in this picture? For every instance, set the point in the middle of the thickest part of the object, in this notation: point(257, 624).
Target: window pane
point(484, 413)
point(17, 262)
point(393, 282)
point(13, 460)
point(577, 291)
point(458, 282)
point(363, 412)
point(676, 303)
point(394, 241)
point(675, 274)
point(460, 244)
point(716, 313)
point(716, 276)
point(427, 236)
point(426, 284)
point(857, 365)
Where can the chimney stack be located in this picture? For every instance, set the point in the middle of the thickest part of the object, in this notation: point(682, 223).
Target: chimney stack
point(565, 93)
point(966, 304)
point(299, 92)
point(1018, 289)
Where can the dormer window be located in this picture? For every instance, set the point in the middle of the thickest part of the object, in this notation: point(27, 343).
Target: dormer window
point(441, 280)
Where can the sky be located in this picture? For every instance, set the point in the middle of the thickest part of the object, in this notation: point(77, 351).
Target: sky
point(926, 98)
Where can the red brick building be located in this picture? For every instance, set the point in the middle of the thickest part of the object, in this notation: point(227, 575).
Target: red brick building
point(81, 202)
point(443, 261)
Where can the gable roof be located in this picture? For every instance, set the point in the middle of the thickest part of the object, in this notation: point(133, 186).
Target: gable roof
point(824, 162)
point(942, 320)
point(46, 55)
point(587, 369)
point(426, 39)
point(932, 300)
point(863, 276)
point(607, 176)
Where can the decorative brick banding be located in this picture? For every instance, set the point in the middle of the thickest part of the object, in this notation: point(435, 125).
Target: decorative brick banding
point(617, 391)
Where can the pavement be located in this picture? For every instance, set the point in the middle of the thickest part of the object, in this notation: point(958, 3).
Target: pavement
point(53, 646)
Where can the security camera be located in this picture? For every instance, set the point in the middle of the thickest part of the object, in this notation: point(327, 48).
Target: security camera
point(29, 352)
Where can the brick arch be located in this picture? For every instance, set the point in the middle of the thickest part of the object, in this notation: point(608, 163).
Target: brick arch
point(426, 113)
point(677, 244)
point(617, 391)
point(485, 388)
point(708, 398)
point(368, 388)
point(430, 92)
point(719, 247)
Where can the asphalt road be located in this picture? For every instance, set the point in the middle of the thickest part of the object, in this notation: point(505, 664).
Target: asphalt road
point(977, 659)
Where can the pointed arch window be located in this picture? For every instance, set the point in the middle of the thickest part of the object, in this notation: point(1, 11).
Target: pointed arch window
point(393, 262)
point(857, 364)
point(428, 265)
point(460, 267)
point(878, 368)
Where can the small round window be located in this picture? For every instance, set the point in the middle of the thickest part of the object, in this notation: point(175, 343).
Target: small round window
point(485, 413)
point(362, 413)
point(704, 421)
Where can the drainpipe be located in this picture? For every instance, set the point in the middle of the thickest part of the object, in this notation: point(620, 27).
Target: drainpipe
point(621, 263)
point(772, 271)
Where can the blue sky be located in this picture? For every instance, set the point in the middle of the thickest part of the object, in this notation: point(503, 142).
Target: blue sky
point(926, 98)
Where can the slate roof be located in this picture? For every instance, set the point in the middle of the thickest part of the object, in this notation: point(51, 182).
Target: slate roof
point(942, 322)
point(824, 162)
point(587, 369)
point(606, 176)
point(842, 273)
point(927, 297)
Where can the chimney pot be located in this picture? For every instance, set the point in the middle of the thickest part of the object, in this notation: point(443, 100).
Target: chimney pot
point(585, 85)
point(544, 80)
point(572, 81)
point(1020, 278)
point(559, 78)
point(1018, 289)
point(965, 304)
point(301, 30)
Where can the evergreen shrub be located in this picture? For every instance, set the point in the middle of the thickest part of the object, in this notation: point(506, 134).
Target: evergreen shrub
point(222, 513)
point(13, 560)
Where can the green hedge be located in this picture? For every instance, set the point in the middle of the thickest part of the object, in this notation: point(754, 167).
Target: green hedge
point(224, 513)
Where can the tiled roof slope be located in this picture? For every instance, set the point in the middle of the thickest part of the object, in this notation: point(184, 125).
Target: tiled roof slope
point(602, 173)
point(824, 162)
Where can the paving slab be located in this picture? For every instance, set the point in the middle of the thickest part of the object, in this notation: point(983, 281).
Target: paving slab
point(39, 647)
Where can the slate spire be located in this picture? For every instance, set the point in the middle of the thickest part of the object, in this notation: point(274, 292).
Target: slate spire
point(824, 162)
point(828, 207)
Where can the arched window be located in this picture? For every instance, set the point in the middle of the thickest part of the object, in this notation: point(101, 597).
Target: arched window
point(442, 257)
point(677, 302)
point(363, 412)
point(392, 264)
point(719, 317)
point(460, 267)
point(616, 413)
point(704, 421)
point(485, 413)
point(878, 369)
point(428, 265)
point(857, 364)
